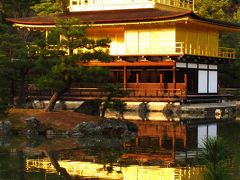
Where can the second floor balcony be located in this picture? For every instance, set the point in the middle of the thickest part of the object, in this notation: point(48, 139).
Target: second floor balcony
point(93, 5)
point(167, 49)
point(171, 48)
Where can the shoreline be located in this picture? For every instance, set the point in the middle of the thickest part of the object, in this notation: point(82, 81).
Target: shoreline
point(58, 120)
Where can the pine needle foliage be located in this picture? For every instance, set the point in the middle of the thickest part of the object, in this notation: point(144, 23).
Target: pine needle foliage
point(216, 157)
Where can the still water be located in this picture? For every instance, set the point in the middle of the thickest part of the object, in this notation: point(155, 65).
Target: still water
point(162, 151)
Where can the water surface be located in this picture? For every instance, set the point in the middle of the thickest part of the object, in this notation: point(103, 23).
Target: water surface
point(162, 150)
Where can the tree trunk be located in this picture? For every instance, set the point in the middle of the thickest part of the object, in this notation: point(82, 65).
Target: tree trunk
point(55, 97)
point(21, 99)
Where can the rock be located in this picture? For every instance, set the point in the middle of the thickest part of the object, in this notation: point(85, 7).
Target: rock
point(85, 127)
point(5, 127)
point(78, 134)
point(143, 111)
point(61, 105)
point(106, 128)
point(32, 122)
point(128, 135)
point(89, 107)
point(113, 127)
point(132, 127)
point(171, 111)
point(35, 127)
point(38, 104)
point(27, 105)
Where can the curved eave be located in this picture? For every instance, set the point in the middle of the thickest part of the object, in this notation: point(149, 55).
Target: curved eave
point(124, 17)
point(219, 25)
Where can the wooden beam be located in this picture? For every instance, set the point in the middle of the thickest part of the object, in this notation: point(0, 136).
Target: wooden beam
point(129, 64)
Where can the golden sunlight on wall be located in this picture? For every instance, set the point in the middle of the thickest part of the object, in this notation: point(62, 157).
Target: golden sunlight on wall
point(138, 41)
point(198, 41)
point(150, 41)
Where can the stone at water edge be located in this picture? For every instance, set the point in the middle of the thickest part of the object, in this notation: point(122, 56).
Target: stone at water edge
point(32, 122)
point(35, 127)
point(84, 127)
point(113, 127)
point(132, 127)
point(106, 127)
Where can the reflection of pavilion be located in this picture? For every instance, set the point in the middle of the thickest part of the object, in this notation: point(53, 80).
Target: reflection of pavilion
point(168, 142)
point(132, 172)
point(161, 151)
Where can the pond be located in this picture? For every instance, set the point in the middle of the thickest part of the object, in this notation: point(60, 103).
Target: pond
point(163, 150)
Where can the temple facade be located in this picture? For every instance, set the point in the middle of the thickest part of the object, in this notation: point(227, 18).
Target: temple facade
point(161, 50)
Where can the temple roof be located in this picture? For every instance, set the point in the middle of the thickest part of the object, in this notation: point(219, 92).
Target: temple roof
point(118, 16)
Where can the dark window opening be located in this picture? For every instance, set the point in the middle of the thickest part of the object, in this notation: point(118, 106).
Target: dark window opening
point(132, 78)
point(168, 77)
point(180, 76)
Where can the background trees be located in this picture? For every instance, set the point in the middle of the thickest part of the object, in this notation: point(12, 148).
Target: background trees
point(16, 61)
point(225, 10)
point(49, 7)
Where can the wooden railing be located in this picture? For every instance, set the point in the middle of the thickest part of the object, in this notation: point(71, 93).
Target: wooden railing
point(174, 48)
point(168, 48)
point(153, 48)
point(99, 93)
point(158, 93)
point(185, 4)
point(227, 53)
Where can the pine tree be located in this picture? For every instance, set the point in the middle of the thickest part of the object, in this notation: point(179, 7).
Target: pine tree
point(16, 60)
point(66, 66)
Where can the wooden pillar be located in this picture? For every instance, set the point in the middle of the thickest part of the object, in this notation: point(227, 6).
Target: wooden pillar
point(160, 141)
point(161, 80)
point(174, 78)
point(137, 141)
point(185, 82)
point(137, 80)
point(125, 77)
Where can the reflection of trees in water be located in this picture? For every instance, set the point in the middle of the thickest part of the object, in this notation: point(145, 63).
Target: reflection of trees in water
point(12, 165)
point(106, 153)
point(52, 155)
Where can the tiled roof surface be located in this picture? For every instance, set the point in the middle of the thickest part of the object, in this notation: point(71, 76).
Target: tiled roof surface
point(118, 16)
point(108, 16)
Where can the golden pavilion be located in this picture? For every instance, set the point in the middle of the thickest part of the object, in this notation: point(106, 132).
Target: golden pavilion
point(161, 50)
